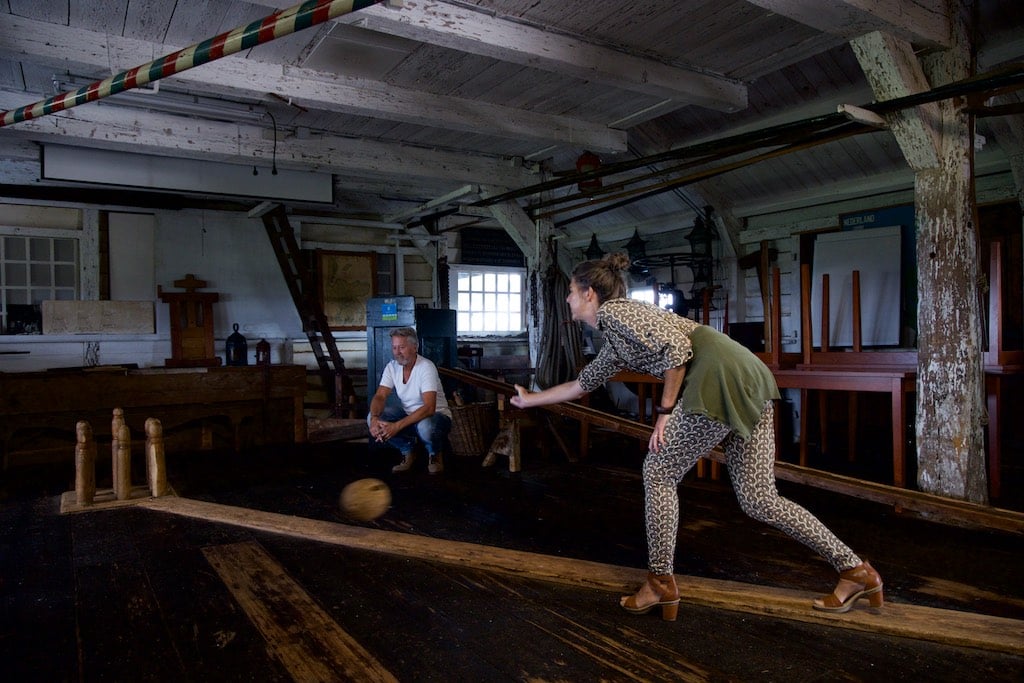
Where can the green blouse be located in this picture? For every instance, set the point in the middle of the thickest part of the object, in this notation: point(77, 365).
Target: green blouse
point(724, 380)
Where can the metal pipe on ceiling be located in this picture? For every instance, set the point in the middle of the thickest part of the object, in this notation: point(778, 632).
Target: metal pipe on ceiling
point(273, 26)
point(1007, 78)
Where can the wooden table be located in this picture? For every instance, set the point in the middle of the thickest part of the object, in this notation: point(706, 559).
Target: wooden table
point(896, 382)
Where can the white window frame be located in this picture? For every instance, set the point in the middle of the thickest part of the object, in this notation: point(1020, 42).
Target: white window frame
point(484, 304)
point(39, 280)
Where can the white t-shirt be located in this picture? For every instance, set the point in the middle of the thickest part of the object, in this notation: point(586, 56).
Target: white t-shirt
point(423, 377)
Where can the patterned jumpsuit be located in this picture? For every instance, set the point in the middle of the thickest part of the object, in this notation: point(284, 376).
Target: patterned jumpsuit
point(726, 398)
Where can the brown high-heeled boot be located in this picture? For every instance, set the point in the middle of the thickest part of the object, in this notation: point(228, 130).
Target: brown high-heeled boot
point(666, 592)
point(860, 582)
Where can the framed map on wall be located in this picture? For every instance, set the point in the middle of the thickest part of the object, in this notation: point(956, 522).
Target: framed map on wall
point(347, 280)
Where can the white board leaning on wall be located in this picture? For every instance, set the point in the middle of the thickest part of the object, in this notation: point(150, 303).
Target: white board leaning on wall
point(875, 253)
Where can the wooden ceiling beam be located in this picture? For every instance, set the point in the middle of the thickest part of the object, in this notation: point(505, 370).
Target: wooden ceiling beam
point(923, 22)
point(893, 70)
point(147, 132)
point(22, 39)
point(460, 28)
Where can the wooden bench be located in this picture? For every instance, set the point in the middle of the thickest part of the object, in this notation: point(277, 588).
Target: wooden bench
point(264, 402)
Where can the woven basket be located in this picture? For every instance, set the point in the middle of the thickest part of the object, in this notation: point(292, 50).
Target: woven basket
point(474, 426)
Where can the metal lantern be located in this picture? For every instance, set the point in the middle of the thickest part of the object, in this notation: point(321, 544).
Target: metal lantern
point(700, 238)
point(236, 348)
point(594, 251)
point(262, 352)
point(637, 250)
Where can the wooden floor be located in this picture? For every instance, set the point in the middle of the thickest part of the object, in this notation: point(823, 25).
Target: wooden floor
point(203, 590)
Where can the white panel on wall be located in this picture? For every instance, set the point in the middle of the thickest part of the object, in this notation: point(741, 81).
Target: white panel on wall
point(875, 253)
point(132, 236)
point(191, 175)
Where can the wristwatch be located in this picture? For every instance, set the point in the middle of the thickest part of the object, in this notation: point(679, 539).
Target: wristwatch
point(662, 410)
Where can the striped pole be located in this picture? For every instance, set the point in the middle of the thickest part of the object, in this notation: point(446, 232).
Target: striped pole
point(280, 23)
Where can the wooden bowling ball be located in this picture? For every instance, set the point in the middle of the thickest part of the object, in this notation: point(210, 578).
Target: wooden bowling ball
point(365, 499)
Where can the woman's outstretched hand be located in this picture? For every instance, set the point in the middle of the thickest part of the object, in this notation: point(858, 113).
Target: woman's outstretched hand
point(520, 399)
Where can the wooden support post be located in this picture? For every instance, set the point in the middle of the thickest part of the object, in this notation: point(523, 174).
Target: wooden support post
point(776, 312)
point(856, 312)
point(514, 461)
point(85, 464)
point(825, 328)
point(852, 405)
point(156, 470)
point(806, 331)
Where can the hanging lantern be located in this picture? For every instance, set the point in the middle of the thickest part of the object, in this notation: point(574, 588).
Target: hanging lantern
point(236, 348)
point(637, 250)
point(594, 251)
point(587, 162)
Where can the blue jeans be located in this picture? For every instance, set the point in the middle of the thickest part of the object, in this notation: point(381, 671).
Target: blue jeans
point(432, 431)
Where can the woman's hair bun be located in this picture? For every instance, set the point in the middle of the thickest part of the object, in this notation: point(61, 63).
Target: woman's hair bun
point(617, 260)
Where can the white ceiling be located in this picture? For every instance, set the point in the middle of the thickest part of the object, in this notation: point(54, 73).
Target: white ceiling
point(468, 99)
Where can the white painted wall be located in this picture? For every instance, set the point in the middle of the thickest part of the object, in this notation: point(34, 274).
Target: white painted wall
point(229, 251)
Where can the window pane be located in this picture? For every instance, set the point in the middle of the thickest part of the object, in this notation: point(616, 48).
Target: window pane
point(14, 249)
point(15, 275)
point(64, 250)
point(463, 285)
point(463, 302)
point(516, 283)
point(41, 275)
point(40, 249)
point(490, 281)
point(64, 294)
point(489, 303)
point(476, 282)
point(476, 302)
point(64, 275)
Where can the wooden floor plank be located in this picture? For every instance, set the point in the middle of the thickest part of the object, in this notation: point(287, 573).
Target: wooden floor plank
point(911, 621)
point(299, 634)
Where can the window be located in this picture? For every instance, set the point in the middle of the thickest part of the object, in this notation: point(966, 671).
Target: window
point(34, 270)
point(646, 294)
point(488, 300)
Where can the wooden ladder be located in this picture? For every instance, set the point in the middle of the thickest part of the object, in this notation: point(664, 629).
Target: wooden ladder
point(300, 279)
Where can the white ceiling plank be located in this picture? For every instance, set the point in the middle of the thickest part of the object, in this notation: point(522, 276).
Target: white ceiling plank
point(93, 125)
point(53, 10)
point(924, 22)
point(96, 16)
point(893, 70)
point(20, 38)
point(461, 29)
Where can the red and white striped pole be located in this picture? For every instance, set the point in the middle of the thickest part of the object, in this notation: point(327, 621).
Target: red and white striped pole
point(280, 23)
